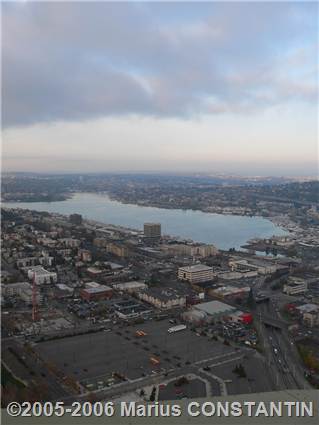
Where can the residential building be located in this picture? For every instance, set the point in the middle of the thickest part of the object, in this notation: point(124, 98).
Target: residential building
point(116, 249)
point(162, 298)
point(70, 242)
point(191, 250)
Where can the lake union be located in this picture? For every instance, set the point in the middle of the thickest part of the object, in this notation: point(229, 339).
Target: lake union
point(224, 231)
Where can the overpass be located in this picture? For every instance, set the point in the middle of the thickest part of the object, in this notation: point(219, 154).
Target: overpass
point(271, 321)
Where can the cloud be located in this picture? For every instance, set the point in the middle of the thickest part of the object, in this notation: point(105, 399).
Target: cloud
point(79, 61)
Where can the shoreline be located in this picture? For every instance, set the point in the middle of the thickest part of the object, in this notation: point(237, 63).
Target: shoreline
point(276, 221)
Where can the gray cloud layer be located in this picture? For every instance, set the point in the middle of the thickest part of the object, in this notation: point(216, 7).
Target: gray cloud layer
point(66, 61)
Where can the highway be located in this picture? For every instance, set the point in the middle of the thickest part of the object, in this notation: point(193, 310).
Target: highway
point(281, 354)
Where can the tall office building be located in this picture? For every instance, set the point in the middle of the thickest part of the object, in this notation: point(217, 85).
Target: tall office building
point(152, 230)
point(75, 219)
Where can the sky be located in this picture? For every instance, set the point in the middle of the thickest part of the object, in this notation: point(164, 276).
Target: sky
point(171, 87)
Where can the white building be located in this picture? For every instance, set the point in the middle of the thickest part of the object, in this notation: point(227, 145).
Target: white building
point(262, 267)
point(41, 275)
point(130, 287)
point(295, 286)
point(196, 273)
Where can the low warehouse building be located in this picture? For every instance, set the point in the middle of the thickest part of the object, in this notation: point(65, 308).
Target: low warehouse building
point(215, 310)
point(93, 294)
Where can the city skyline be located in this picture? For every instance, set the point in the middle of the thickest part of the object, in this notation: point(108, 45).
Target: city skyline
point(171, 87)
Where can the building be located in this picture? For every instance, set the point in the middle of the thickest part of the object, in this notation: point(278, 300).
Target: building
point(130, 309)
point(215, 310)
point(229, 292)
point(34, 261)
point(130, 287)
point(118, 250)
point(96, 293)
point(14, 289)
point(70, 242)
point(27, 296)
point(241, 317)
point(92, 285)
point(204, 250)
point(27, 262)
point(152, 230)
point(113, 266)
point(162, 298)
point(295, 286)
point(196, 273)
point(309, 314)
point(100, 242)
point(41, 275)
point(94, 272)
point(50, 243)
point(195, 316)
point(190, 250)
point(311, 318)
point(85, 255)
point(75, 219)
point(262, 267)
point(22, 290)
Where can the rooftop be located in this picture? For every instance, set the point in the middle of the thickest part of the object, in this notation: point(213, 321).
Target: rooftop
point(39, 270)
point(214, 307)
point(196, 268)
point(101, 288)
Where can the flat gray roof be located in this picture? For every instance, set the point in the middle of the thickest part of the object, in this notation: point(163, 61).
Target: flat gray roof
point(196, 268)
point(101, 288)
point(214, 307)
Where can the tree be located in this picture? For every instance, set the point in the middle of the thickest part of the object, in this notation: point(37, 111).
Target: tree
point(153, 394)
point(240, 371)
point(142, 393)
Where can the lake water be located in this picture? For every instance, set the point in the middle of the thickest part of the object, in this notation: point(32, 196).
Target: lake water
point(224, 231)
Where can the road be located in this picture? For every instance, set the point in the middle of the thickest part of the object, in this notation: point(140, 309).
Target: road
point(281, 354)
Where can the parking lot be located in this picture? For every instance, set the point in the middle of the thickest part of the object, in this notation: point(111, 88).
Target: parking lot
point(257, 377)
point(94, 357)
point(190, 389)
